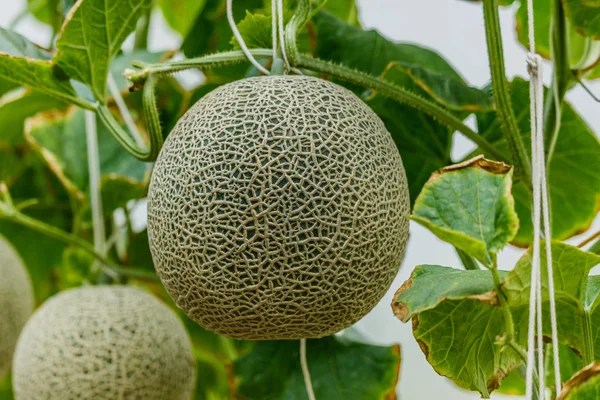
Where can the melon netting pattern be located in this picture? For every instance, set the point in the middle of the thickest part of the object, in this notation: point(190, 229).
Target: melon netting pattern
point(277, 209)
point(104, 343)
point(16, 302)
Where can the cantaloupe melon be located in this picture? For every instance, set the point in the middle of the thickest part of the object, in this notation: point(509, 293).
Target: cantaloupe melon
point(104, 343)
point(16, 301)
point(278, 209)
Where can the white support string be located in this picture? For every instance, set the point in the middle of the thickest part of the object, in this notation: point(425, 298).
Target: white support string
point(94, 179)
point(274, 27)
point(91, 133)
point(240, 39)
point(540, 210)
point(281, 27)
point(305, 372)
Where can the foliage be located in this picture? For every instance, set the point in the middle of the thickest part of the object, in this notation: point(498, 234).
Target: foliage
point(469, 323)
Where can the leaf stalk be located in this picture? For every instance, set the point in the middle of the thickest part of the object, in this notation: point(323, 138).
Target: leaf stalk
point(338, 71)
point(9, 212)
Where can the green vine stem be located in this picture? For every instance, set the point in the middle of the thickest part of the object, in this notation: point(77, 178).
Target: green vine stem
point(338, 71)
point(561, 77)
point(144, 153)
point(587, 355)
point(151, 114)
point(211, 61)
point(11, 212)
point(296, 23)
point(504, 108)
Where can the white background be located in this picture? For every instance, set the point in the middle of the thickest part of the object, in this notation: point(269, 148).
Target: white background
point(455, 29)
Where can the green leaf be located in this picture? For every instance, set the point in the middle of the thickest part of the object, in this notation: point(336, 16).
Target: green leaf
point(11, 165)
point(84, 51)
point(570, 364)
point(445, 284)
point(60, 140)
point(576, 296)
point(584, 18)
point(543, 18)
point(339, 370)
point(16, 109)
point(23, 63)
point(585, 385)
point(18, 46)
point(575, 201)
point(470, 206)
point(456, 321)
point(47, 11)
point(514, 383)
point(346, 10)
point(210, 31)
point(6, 86)
point(256, 31)
point(181, 14)
point(370, 52)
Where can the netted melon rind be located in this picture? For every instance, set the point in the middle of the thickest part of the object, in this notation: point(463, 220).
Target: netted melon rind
point(16, 302)
point(277, 209)
point(104, 343)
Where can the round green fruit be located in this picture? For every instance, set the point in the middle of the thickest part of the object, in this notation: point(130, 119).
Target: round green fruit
point(16, 302)
point(278, 209)
point(104, 343)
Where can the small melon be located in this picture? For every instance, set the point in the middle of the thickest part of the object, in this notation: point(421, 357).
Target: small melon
point(16, 302)
point(278, 209)
point(104, 343)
